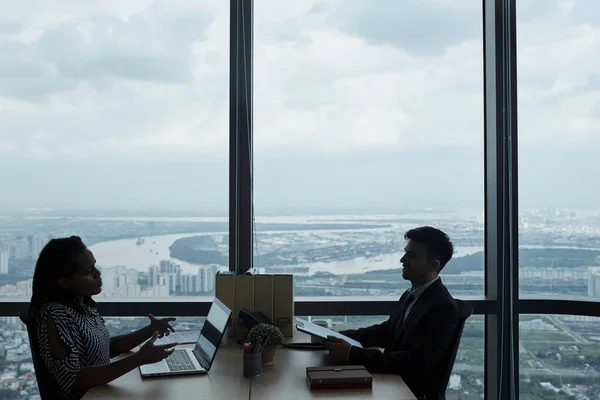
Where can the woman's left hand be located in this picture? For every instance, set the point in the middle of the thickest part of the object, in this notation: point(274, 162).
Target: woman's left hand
point(162, 326)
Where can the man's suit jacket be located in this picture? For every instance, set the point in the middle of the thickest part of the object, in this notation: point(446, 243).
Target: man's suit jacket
point(415, 347)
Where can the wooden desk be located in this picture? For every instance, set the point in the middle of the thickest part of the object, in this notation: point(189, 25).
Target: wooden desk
point(224, 381)
point(285, 379)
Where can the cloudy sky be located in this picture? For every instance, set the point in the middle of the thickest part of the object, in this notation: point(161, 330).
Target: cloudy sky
point(367, 105)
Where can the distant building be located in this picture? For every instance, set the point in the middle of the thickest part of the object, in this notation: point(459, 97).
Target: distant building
point(594, 281)
point(17, 249)
point(191, 284)
point(207, 278)
point(455, 382)
point(173, 271)
point(38, 241)
point(153, 275)
point(3, 262)
point(168, 267)
point(553, 273)
point(24, 288)
point(119, 280)
point(10, 320)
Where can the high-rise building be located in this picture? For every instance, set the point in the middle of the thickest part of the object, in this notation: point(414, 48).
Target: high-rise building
point(17, 249)
point(132, 276)
point(168, 267)
point(38, 241)
point(207, 278)
point(191, 284)
point(127, 291)
point(109, 279)
point(153, 275)
point(212, 277)
point(594, 281)
point(25, 287)
point(115, 279)
point(163, 280)
point(160, 290)
point(174, 273)
point(3, 262)
point(179, 279)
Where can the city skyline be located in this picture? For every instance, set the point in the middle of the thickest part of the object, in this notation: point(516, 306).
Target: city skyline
point(135, 256)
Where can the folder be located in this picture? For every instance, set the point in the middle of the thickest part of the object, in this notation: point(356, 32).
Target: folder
point(283, 303)
point(263, 295)
point(225, 291)
point(243, 298)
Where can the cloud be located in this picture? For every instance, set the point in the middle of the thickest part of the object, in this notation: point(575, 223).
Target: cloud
point(143, 79)
point(115, 78)
point(413, 25)
point(559, 72)
point(341, 86)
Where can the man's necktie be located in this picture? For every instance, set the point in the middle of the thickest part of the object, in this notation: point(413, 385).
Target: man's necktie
point(407, 302)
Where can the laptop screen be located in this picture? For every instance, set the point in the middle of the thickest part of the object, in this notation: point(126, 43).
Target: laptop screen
point(212, 333)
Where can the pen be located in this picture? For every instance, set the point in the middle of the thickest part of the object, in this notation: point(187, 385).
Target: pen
point(256, 344)
point(262, 345)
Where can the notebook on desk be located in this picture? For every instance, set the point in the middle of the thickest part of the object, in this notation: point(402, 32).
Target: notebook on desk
point(199, 359)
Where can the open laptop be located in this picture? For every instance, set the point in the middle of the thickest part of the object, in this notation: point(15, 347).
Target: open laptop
point(199, 359)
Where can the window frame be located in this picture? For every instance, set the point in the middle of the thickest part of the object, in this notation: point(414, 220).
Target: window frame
point(501, 303)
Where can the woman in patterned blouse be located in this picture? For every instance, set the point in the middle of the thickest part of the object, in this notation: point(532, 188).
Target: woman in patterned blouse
point(72, 337)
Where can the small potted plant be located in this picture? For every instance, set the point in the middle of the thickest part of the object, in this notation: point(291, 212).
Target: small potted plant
point(270, 336)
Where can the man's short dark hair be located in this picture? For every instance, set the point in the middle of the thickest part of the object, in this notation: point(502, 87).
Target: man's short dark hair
point(436, 242)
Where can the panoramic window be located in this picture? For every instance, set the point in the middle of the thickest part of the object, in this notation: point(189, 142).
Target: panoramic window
point(559, 123)
point(367, 123)
point(559, 224)
point(113, 127)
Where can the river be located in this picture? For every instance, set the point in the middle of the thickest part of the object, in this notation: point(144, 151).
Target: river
point(155, 248)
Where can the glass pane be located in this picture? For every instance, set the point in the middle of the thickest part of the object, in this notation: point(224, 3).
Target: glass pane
point(467, 379)
point(114, 127)
point(559, 118)
point(16, 365)
point(367, 123)
point(559, 357)
point(124, 325)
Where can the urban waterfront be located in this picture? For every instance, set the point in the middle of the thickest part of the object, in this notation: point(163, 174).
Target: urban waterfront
point(354, 256)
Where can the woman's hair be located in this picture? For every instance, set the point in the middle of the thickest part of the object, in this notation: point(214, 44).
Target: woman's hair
point(55, 262)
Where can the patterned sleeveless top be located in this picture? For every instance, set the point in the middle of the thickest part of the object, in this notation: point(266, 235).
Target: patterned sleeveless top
point(84, 336)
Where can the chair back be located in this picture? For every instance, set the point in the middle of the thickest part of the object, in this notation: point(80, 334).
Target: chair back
point(464, 311)
point(47, 385)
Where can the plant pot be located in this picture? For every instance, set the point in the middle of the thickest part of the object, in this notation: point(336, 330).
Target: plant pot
point(268, 356)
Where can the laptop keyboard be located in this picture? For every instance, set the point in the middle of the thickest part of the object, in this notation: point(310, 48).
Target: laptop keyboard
point(180, 361)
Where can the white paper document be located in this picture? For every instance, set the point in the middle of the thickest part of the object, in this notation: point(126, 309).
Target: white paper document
point(319, 331)
point(181, 337)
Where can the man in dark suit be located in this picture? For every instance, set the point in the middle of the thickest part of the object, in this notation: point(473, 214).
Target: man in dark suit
point(419, 333)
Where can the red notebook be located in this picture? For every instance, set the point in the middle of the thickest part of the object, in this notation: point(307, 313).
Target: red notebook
point(339, 377)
